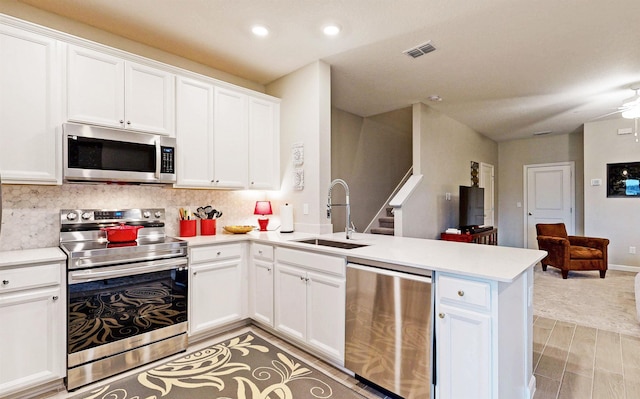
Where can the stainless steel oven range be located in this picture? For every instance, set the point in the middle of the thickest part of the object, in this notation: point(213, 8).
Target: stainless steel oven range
point(126, 301)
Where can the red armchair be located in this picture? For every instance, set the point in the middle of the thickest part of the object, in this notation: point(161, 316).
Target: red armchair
point(571, 252)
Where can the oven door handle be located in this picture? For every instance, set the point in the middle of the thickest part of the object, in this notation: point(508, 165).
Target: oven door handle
point(125, 270)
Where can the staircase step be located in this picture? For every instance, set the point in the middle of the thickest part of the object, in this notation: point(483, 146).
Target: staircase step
point(382, 230)
point(390, 212)
point(386, 222)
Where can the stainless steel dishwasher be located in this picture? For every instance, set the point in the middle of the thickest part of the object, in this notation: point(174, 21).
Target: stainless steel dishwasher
point(389, 330)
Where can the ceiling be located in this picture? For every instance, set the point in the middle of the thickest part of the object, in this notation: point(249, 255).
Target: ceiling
point(506, 68)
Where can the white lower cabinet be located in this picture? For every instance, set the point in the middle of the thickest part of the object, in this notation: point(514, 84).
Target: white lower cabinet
point(32, 326)
point(261, 284)
point(216, 287)
point(482, 332)
point(310, 300)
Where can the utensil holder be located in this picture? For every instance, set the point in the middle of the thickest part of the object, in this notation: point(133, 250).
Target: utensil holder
point(187, 228)
point(208, 227)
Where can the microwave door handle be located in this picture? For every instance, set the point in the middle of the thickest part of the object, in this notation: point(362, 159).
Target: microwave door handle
point(158, 159)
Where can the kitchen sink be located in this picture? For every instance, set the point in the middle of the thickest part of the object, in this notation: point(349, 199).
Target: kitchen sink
point(330, 243)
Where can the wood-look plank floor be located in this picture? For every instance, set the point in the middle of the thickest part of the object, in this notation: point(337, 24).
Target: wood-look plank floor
point(577, 362)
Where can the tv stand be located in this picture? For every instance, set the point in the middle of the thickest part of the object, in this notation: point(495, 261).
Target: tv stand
point(486, 236)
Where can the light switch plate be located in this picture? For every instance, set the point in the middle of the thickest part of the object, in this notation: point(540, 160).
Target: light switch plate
point(596, 182)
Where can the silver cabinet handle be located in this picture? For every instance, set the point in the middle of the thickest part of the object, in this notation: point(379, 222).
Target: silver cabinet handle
point(441, 315)
point(460, 293)
point(301, 278)
point(128, 122)
point(5, 282)
point(194, 273)
point(268, 269)
point(55, 298)
point(260, 252)
point(121, 121)
point(219, 253)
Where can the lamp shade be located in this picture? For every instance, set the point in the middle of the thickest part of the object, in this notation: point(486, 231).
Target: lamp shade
point(263, 208)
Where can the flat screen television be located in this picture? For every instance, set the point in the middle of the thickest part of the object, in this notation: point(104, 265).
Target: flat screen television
point(471, 207)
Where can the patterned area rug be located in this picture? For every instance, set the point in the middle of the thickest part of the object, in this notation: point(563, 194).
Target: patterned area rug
point(243, 367)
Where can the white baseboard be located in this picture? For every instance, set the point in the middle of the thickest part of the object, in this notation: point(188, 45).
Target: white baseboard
point(624, 268)
point(532, 386)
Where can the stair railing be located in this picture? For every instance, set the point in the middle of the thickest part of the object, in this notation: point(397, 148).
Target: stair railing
point(383, 209)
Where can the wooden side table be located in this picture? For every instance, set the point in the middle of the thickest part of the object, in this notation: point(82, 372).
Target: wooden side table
point(489, 237)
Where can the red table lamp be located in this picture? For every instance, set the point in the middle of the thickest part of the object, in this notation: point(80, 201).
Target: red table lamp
point(263, 208)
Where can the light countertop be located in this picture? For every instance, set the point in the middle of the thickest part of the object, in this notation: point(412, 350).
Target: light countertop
point(28, 256)
point(415, 255)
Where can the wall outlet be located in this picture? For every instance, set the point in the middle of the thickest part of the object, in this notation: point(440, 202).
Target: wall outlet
point(632, 250)
point(447, 196)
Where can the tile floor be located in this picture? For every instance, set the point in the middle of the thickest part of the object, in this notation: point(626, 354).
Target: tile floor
point(576, 362)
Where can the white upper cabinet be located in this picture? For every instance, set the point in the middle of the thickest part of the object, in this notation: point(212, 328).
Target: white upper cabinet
point(106, 90)
point(194, 133)
point(29, 108)
point(230, 139)
point(264, 144)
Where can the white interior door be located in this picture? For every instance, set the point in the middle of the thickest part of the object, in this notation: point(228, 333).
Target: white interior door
point(487, 181)
point(550, 196)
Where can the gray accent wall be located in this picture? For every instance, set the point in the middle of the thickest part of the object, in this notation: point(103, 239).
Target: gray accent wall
point(514, 155)
point(372, 155)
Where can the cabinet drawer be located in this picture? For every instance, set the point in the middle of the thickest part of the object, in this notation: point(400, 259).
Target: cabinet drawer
point(29, 277)
point(462, 291)
point(215, 252)
point(312, 260)
point(260, 251)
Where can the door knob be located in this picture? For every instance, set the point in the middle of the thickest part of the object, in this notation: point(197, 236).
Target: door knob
point(530, 214)
point(441, 315)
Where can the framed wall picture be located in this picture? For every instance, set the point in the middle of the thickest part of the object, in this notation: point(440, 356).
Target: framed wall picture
point(623, 179)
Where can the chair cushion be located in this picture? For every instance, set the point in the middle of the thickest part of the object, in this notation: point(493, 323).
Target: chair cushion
point(577, 252)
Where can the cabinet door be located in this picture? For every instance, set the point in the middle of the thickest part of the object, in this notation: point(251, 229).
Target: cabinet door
point(216, 295)
point(149, 99)
point(95, 87)
point(30, 108)
point(33, 333)
point(290, 301)
point(194, 133)
point(262, 292)
point(325, 314)
point(230, 139)
point(264, 146)
point(463, 340)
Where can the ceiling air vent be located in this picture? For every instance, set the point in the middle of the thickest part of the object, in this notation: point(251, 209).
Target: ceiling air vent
point(420, 50)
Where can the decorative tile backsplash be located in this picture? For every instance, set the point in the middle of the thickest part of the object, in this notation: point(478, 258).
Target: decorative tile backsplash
point(31, 214)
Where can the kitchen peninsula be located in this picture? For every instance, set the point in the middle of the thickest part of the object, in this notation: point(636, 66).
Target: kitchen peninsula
point(482, 302)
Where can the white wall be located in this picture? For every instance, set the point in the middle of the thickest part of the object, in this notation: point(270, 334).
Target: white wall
point(306, 118)
point(617, 219)
point(443, 156)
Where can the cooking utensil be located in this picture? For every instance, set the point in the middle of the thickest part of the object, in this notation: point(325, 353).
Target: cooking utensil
point(121, 233)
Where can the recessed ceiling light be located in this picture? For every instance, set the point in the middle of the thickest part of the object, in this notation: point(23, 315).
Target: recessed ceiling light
point(331, 30)
point(435, 98)
point(260, 30)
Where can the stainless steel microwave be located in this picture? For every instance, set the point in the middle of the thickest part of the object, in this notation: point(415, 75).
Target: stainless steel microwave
point(99, 154)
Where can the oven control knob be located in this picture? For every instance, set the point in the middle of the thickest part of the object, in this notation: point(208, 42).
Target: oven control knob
point(86, 216)
point(157, 214)
point(146, 214)
point(71, 216)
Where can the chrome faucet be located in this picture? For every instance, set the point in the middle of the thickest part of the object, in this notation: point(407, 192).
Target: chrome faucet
point(350, 228)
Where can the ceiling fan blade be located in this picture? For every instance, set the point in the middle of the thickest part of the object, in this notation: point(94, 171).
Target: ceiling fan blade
point(605, 115)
